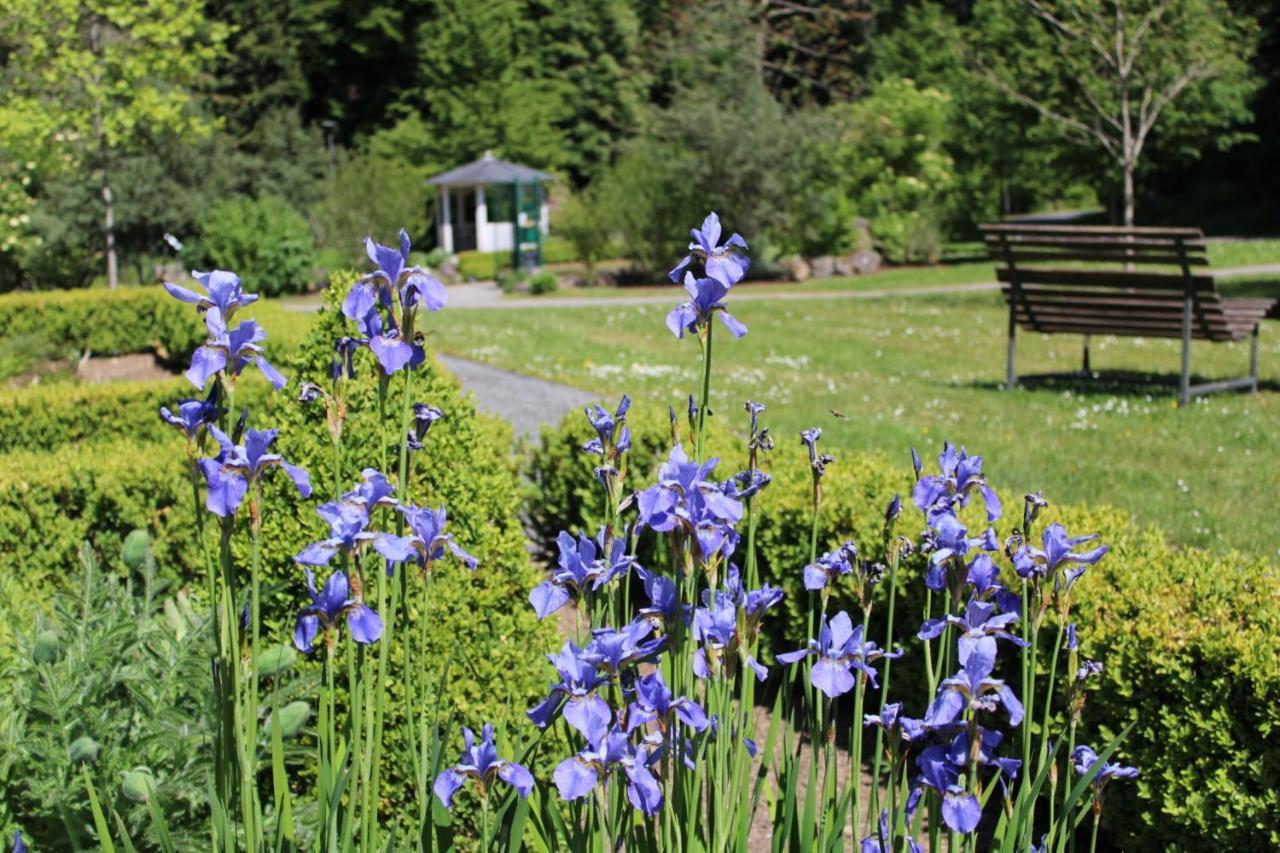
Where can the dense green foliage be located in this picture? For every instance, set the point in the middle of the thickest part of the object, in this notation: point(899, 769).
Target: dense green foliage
point(1198, 672)
point(104, 322)
point(107, 682)
point(265, 241)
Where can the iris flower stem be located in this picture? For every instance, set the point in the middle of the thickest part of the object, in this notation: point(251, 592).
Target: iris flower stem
point(255, 529)
point(874, 811)
point(706, 394)
point(1027, 775)
point(1048, 696)
point(1093, 836)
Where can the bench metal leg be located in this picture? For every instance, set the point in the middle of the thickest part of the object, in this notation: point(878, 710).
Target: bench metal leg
point(1253, 357)
point(1086, 355)
point(1011, 375)
point(1184, 387)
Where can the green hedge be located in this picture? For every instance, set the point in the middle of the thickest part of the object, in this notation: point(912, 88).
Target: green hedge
point(1188, 637)
point(51, 501)
point(107, 322)
point(132, 320)
point(486, 265)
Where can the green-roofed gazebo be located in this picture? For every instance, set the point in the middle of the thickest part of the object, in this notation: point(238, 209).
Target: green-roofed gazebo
point(483, 204)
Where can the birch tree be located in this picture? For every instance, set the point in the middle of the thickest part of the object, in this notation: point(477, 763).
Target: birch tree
point(1114, 75)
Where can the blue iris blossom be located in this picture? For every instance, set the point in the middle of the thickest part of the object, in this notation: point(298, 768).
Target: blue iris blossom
point(194, 415)
point(328, 607)
point(726, 627)
point(583, 567)
point(685, 497)
point(427, 541)
point(575, 692)
point(480, 762)
point(1058, 552)
point(973, 688)
point(609, 750)
point(706, 298)
point(230, 473)
point(229, 352)
point(960, 475)
point(222, 291)
point(840, 649)
point(655, 704)
point(727, 263)
point(347, 533)
point(830, 567)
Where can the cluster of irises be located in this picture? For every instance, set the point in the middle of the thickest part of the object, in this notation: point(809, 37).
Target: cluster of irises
point(655, 698)
point(660, 708)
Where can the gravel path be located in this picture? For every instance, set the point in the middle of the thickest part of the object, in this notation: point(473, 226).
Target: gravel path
point(487, 295)
point(526, 403)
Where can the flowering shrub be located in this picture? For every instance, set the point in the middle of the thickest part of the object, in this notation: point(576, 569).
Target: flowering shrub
point(649, 717)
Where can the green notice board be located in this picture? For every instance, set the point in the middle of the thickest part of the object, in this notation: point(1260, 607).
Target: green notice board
point(526, 249)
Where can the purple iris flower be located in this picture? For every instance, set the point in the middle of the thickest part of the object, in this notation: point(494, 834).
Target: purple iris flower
point(347, 533)
point(685, 496)
point(373, 492)
point(193, 415)
point(840, 648)
point(384, 340)
point(961, 474)
point(1083, 758)
point(973, 687)
point(411, 285)
point(951, 539)
point(895, 724)
point(426, 543)
point(579, 569)
point(877, 843)
point(830, 566)
point(754, 603)
point(1057, 552)
point(480, 762)
point(745, 484)
point(706, 298)
point(961, 810)
point(664, 600)
point(328, 606)
point(715, 627)
point(655, 703)
point(960, 754)
point(613, 648)
point(230, 352)
point(605, 424)
point(609, 750)
point(575, 691)
point(818, 462)
point(229, 474)
point(19, 846)
point(1088, 669)
point(727, 263)
point(981, 626)
point(223, 292)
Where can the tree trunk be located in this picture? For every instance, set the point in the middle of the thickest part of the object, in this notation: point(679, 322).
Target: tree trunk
point(1129, 203)
point(109, 231)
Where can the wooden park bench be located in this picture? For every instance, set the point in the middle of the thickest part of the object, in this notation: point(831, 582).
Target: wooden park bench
point(1133, 282)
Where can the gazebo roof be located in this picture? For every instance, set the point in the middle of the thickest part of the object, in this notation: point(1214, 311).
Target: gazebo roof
point(488, 170)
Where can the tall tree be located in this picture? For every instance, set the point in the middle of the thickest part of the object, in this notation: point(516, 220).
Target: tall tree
point(86, 80)
point(1109, 74)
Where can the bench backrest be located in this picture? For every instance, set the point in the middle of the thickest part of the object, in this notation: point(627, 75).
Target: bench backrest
point(1108, 280)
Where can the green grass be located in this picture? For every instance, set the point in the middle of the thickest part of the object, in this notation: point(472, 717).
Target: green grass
point(915, 371)
point(1243, 253)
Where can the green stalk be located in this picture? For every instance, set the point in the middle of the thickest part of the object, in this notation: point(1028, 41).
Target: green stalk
point(706, 394)
point(1093, 836)
point(884, 692)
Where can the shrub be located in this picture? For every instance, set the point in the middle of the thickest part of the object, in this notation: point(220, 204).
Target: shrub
point(544, 282)
point(265, 241)
point(369, 196)
point(106, 322)
point(487, 265)
point(1186, 658)
point(582, 222)
point(509, 280)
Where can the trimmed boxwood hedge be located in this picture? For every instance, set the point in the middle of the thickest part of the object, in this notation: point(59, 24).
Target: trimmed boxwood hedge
point(51, 501)
point(1188, 637)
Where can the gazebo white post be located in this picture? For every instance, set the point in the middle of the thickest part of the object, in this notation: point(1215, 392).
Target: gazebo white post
point(446, 222)
point(482, 222)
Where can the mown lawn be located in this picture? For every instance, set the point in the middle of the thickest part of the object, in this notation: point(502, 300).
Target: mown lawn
point(906, 371)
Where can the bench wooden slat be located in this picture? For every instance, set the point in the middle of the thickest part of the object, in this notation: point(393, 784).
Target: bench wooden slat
point(1101, 296)
point(1104, 278)
point(1128, 331)
point(1109, 257)
point(1053, 315)
point(1144, 244)
point(1105, 230)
